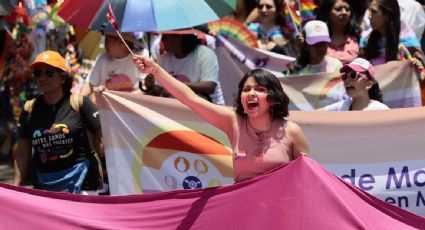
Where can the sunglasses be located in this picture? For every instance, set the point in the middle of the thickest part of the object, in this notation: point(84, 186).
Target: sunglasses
point(261, 6)
point(49, 73)
point(340, 8)
point(351, 76)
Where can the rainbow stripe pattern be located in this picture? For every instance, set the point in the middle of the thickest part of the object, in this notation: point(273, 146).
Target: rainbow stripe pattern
point(291, 17)
point(307, 10)
point(232, 28)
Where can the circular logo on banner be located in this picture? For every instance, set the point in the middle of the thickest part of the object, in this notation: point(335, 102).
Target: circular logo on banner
point(184, 160)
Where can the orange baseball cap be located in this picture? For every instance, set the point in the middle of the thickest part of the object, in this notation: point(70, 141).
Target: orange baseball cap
point(51, 58)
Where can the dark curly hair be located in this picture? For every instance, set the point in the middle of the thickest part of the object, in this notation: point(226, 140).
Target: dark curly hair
point(277, 97)
point(391, 9)
point(351, 29)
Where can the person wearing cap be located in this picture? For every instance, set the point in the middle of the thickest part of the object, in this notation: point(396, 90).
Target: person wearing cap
point(189, 61)
point(113, 69)
point(361, 87)
point(55, 133)
point(313, 57)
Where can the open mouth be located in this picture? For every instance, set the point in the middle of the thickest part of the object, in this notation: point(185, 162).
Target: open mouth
point(252, 105)
point(349, 87)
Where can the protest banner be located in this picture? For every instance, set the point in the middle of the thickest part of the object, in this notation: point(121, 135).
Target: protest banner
point(398, 80)
point(155, 144)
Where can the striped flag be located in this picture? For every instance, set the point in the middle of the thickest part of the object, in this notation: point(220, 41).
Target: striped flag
point(111, 17)
point(293, 20)
point(307, 8)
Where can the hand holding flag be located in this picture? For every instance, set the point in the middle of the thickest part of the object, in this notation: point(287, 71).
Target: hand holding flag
point(113, 20)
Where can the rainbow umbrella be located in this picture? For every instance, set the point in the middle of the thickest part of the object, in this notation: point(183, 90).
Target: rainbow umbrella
point(144, 15)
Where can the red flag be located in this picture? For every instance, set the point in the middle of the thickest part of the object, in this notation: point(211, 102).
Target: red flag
point(111, 17)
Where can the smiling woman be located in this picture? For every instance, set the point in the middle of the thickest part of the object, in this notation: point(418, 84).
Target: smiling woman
point(261, 137)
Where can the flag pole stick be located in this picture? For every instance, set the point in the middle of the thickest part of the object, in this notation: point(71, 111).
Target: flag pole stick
point(300, 9)
point(125, 43)
point(292, 16)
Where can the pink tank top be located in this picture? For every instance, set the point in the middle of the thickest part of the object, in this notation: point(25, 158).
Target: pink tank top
point(255, 153)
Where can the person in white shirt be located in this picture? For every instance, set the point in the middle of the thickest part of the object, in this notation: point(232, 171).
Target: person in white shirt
point(114, 69)
point(187, 60)
point(360, 84)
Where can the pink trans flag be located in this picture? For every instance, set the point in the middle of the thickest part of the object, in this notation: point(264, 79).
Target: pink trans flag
point(300, 195)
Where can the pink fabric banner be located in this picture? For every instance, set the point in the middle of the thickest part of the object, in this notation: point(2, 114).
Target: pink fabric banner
point(300, 195)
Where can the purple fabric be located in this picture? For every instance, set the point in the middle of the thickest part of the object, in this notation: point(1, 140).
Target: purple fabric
point(300, 195)
point(317, 39)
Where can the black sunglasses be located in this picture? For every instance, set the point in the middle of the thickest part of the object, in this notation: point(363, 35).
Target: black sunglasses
point(264, 5)
point(49, 73)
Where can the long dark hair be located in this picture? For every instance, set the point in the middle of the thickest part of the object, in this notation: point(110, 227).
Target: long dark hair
point(277, 97)
point(391, 9)
point(351, 29)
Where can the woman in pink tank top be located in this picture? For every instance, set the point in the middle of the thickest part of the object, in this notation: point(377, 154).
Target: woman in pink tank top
point(261, 137)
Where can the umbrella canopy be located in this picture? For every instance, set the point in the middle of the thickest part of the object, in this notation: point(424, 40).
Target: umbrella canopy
point(144, 15)
point(5, 7)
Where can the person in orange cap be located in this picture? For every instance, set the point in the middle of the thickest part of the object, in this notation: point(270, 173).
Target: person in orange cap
point(51, 127)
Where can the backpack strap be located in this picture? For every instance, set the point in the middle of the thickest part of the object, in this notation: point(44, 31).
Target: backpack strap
point(29, 105)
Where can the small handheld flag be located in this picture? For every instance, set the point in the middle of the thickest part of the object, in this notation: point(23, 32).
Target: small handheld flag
point(111, 17)
point(307, 8)
point(292, 18)
point(113, 20)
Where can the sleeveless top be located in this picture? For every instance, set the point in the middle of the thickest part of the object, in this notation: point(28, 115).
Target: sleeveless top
point(255, 153)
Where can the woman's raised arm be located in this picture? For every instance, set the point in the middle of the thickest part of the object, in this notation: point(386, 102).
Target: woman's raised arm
point(219, 116)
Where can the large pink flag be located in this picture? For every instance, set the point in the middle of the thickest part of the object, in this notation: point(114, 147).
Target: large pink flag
point(300, 195)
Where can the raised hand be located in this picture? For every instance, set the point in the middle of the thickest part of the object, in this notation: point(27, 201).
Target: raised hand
point(145, 65)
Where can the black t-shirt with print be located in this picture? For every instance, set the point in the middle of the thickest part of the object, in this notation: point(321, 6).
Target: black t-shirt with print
point(57, 134)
